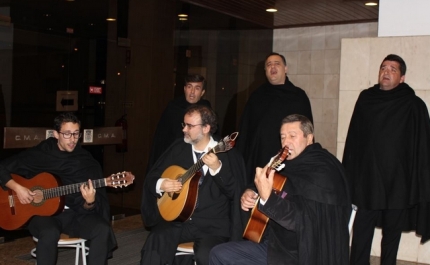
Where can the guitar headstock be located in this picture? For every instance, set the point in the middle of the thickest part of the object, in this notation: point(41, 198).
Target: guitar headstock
point(226, 143)
point(279, 158)
point(120, 179)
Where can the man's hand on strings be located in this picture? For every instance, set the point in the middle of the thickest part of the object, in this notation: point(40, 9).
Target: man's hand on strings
point(171, 185)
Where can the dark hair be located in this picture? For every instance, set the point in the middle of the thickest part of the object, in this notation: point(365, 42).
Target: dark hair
point(396, 58)
point(305, 124)
point(194, 79)
point(275, 53)
point(65, 117)
point(207, 115)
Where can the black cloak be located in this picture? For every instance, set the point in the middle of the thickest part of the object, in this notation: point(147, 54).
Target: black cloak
point(69, 167)
point(260, 123)
point(169, 127)
point(316, 206)
point(387, 153)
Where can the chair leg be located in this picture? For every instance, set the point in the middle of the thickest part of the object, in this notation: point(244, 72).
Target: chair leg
point(77, 254)
point(84, 253)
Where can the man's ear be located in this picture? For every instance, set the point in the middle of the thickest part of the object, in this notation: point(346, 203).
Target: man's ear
point(309, 139)
point(206, 128)
point(56, 134)
point(402, 78)
point(203, 92)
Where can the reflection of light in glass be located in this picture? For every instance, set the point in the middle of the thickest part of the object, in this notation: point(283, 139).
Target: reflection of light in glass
point(110, 19)
point(183, 18)
point(371, 4)
point(119, 73)
point(272, 10)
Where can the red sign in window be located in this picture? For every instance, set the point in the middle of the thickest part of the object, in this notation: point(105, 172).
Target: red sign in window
point(95, 90)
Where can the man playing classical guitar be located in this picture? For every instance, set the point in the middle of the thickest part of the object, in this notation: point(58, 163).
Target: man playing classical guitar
point(216, 217)
point(86, 214)
point(308, 218)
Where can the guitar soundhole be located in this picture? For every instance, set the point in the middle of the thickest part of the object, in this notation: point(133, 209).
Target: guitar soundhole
point(38, 198)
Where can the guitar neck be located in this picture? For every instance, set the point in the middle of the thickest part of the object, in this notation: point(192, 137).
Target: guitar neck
point(193, 169)
point(72, 188)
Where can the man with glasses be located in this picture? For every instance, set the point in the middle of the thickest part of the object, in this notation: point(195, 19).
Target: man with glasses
point(168, 128)
point(216, 217)
point(86, 213)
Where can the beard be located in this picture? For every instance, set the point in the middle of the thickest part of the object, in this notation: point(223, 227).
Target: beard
point(194, 141)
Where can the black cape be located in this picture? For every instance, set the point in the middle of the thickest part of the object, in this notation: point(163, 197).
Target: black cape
point(260, 123)
point(69, 167)
point(387, 153)
point(316, 207)
point(179, 153)
point(169, 127)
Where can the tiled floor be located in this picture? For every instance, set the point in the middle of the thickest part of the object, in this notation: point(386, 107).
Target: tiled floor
point(10, 250)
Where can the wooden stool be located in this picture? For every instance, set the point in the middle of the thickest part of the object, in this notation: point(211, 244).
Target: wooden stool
point(67, 242)
point(185, 249)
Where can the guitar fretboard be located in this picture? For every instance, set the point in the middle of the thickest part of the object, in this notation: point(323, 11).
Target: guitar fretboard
point(72, 188)
point(222, 146)
point(193, 169)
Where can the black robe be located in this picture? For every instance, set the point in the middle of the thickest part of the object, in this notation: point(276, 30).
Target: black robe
point(218, 213)
point(169, 127)
point(387, 153)
point(260, 123)
point(69, 167)
point(232, 172)
point(315, 206)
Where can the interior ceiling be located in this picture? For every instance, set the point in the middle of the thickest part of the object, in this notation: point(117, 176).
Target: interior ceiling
point(294, 13)
point(88, 17)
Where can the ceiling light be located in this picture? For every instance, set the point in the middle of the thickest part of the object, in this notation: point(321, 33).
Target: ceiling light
point(110, 19)
point(182, 15)
point(371, 4)
point(272, 10)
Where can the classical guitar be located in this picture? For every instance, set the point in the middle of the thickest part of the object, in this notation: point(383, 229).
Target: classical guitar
point(48, 199)
point(179, 206)
point(258, 221)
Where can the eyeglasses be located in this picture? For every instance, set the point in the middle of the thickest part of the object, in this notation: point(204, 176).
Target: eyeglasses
point(67, 135)
point(190, 126)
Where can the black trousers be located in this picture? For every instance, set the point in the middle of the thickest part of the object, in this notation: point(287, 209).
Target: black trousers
point(364, 226)
point(239, 253)
point(164, 238)
point(92, 227)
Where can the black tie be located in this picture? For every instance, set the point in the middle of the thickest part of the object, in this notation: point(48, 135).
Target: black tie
point(202, 172)
point(202, 175)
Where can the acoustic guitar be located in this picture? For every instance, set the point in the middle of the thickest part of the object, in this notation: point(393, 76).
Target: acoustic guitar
point(49, 198)
point(179, 206)
point(258, 221)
